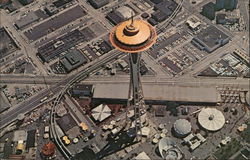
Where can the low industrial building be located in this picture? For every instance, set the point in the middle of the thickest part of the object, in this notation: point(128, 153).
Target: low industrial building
point(144, 15)
point(20, 135)
point(105, 47)
point(10, 8)
point(66, 122)
point(41, 14)
point(61, 3)
point(72, 60)
point(152, 21)
point(114, 18)
point(210, 39)
point(156, 1)
point(223, 19)
point(226, 4)
point(123, 64)
point(4, 103)
point(51, 9)
point(159, 110)
point(57, 22)
point(163, 10)
point(120, 14)
point(25, 2)
point(242, 55)
point(208, 10)
point(53, 49)
point(159, 16)
point(31, 139)
point(5, 3)
point(30, 18)
point(73, 132)
point(82, 90)
point(22, 92)
point(98, 3)
point(167, 7)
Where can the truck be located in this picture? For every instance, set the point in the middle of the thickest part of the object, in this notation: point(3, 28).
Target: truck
point(44, 99)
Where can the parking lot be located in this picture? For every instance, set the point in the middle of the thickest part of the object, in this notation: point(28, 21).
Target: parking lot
point(54, 23)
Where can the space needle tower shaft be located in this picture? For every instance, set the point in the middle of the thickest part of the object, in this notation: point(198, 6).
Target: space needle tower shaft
point(134, 37)
point(137, 101)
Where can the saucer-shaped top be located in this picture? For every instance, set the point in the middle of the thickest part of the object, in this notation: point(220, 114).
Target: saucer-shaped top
point(133, 36)
point(136, 34)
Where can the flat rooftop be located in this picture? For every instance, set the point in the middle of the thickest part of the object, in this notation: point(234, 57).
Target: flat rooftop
point(72, 60)
point(26, 20)
point(7, 44)
point(4, 103)
point(60, 3)
point(159, 92)
point(211, 36)
point(66, 122)
point(49, 51)
point(54, 23)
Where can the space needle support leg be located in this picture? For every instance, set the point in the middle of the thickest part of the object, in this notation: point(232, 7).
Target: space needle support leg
point(137, 97)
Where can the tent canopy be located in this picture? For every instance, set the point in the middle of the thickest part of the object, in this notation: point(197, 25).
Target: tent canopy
point(101, 112)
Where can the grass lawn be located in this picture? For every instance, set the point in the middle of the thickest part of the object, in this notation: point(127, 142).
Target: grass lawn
point(228, 150)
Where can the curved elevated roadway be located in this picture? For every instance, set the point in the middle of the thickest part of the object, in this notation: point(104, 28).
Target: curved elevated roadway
point(81, 76)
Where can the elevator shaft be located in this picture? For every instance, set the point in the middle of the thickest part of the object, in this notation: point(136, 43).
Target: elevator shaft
point(135, 92)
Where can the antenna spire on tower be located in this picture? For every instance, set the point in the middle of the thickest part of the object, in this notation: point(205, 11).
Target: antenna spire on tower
point(132, 19)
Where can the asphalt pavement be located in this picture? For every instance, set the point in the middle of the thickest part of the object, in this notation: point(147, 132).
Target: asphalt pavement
point(34, 101)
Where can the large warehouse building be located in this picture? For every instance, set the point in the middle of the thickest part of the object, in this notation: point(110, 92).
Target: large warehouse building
point(156, 93)
point(210, 39)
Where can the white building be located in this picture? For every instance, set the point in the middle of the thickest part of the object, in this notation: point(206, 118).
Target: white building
point(211, 119)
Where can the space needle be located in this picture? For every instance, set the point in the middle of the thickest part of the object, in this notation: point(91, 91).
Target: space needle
point(134, 37)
